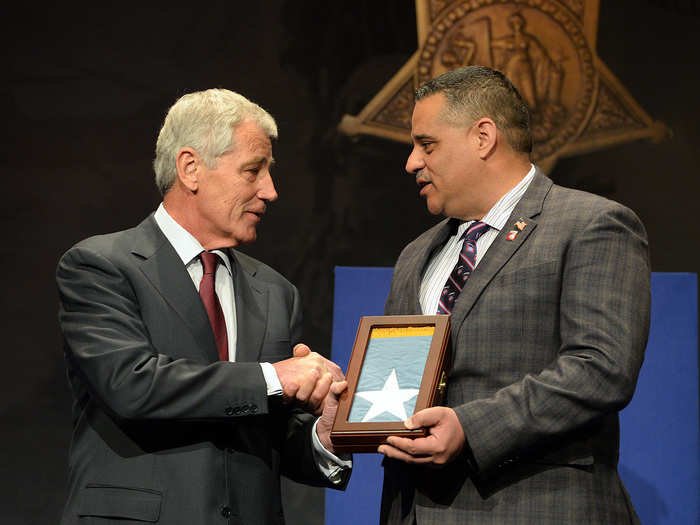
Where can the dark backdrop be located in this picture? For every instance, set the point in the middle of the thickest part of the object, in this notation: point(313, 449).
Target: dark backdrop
point(85, 91)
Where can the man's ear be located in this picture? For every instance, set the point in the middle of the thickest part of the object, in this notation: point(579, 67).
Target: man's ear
point(188, 168)
point(487, 136)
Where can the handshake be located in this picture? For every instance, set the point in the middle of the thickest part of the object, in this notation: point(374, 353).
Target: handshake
point(308, 378)
point(314, 383)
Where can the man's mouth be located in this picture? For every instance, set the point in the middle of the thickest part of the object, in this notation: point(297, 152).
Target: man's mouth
point(422, 184)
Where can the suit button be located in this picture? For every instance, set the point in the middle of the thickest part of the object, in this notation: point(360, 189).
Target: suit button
point(226, 511)
point(229, 411)
point(237, 410)
point(244, 409)
point(253, 409)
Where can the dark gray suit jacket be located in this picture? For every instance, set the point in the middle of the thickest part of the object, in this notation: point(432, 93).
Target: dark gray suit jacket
point(548, 337)
point(164, 432)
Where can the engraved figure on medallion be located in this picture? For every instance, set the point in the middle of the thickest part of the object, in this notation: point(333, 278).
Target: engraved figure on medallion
point(460, 51)
point(522, 58)
point(539, 46)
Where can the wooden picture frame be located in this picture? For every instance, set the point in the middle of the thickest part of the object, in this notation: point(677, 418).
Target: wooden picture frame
point(377, 345)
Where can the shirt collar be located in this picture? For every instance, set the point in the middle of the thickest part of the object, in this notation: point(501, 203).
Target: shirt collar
point(187, 247)
point(498, 215)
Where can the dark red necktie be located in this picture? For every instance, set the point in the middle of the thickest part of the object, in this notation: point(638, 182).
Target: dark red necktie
point(207, 292)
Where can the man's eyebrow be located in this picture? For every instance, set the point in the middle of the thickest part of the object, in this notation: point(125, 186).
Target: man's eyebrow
point(259, 160)
point(420, 137)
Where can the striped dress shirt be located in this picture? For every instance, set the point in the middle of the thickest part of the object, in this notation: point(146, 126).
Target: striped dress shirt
point(440, 266)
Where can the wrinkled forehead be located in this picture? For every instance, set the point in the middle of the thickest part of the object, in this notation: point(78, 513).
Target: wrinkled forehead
point(250, 137)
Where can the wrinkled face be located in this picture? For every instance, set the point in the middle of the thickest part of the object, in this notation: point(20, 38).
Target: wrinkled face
point(232, 197)
point(443, 160)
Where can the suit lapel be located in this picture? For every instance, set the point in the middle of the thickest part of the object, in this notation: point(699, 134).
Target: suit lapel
point(251, 310)
point(164, 269)
point(502, 249)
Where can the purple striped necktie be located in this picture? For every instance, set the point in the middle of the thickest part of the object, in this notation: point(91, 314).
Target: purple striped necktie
point(463, 269)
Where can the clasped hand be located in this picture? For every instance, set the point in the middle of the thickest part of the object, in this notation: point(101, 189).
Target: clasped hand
point(444, 442)
point(307, 377)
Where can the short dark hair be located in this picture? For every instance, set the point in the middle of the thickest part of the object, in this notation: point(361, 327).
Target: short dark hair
point(473, 92)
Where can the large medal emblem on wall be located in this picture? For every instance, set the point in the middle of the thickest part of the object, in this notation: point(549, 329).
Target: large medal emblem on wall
point(545, 47)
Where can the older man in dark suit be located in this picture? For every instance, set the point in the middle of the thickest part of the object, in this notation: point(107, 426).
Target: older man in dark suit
point(548, 292)
point(181, 350)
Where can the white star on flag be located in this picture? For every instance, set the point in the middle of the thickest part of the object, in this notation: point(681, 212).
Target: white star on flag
point(389, 399)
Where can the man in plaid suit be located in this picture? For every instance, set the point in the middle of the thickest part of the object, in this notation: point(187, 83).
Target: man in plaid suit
point(548, 329)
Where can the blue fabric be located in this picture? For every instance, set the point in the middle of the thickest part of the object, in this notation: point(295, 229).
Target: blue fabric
point(358, 291)
point(659, 434)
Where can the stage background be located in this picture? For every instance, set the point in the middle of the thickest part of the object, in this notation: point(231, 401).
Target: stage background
point(83, 94)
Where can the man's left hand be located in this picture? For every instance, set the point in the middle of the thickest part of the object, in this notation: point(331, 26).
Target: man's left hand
point(444, 442)
point(330, 407)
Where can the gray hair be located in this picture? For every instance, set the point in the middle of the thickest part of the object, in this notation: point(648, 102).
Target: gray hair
point(204, 121)
point(474, 92)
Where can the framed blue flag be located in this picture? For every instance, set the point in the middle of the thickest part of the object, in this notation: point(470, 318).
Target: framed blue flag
point(397, 367)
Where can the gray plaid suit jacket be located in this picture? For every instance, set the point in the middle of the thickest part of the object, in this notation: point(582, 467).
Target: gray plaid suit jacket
point(164, 432)
point(548, 337)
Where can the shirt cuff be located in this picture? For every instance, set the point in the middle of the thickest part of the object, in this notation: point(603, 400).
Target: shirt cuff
point(330, 465)
point(274, 387)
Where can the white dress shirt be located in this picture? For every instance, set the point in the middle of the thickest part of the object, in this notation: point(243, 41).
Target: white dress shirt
point(188, 249)
point(442, 263)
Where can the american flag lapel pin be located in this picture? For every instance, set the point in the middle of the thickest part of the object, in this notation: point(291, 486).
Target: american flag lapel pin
point(512, 234)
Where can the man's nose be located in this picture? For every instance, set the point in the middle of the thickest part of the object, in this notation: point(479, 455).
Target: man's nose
point(267, 190)
point(415, 161)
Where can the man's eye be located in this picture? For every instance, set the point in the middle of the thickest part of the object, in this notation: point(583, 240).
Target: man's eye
point(427, 146)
